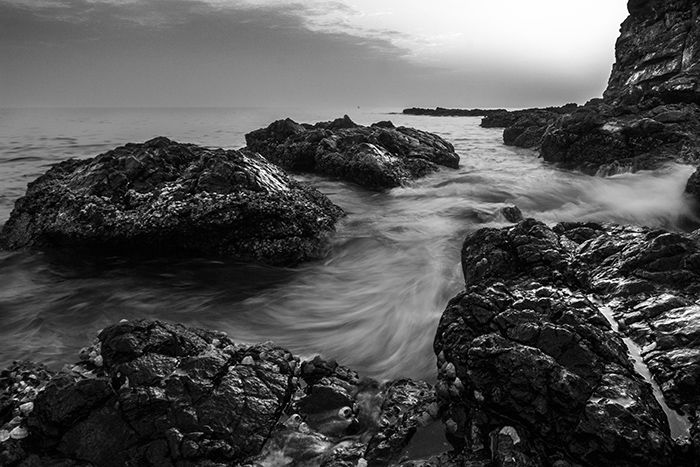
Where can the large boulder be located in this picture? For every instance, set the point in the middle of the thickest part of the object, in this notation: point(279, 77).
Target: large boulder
point(163, 197)
point(155, 393)
point(578, 342)
point(377, 157)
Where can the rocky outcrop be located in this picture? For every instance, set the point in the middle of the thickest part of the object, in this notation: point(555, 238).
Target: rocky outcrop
point(525, 128)
point(605, 139)
point(529, 356)
point(153, 393)
point(657, 55)
point(650, 114)
point(163, 197)
point(377, 157)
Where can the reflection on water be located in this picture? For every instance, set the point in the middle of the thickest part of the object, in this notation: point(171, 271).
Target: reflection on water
point(373, 303)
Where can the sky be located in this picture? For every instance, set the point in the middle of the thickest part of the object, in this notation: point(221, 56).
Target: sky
point(268, 53)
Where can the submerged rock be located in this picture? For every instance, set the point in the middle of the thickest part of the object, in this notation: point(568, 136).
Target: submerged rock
point(379, 156)
point(166, 394)
point(526, 352)
point(163, 197)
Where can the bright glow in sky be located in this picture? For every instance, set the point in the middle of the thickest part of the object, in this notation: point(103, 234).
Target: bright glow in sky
point(467, 52)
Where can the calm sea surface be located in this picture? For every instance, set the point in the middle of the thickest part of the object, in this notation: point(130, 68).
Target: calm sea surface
point(372, 304)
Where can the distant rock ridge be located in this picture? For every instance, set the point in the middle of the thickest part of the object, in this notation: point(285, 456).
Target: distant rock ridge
point(443, 112)
point(163, 198)
point(378, 157)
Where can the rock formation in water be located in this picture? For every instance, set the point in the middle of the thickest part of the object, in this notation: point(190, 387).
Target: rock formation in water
point(527, 356)
point(377, 157)
point(153, 393)
point(531, 372)
point(442, 112)
point(163, 197)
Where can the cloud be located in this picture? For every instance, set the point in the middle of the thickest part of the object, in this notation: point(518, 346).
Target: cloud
point(252, 52)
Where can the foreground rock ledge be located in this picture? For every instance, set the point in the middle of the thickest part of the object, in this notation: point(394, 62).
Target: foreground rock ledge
point(527, 357)
point(154, 393)
point(377, 157)
point(163, 197)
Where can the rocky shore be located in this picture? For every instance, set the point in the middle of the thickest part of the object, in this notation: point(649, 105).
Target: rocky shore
point(570, 345)
point(154, 393)
point(575, 344)
point(379, 156)
point(648, 115)
point(529, 349)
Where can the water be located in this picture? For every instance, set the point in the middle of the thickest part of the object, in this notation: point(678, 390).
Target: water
point(372, 304)
point(679, 425)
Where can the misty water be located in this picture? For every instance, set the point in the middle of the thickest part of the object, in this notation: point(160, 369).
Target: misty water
point(373, 303)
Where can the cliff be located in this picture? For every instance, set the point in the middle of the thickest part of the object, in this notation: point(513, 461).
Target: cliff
point(657, 53)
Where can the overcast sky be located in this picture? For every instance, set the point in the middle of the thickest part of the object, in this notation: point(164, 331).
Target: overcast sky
point(380, 53)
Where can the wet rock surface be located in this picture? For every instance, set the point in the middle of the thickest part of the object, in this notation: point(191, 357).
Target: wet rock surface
point(154, 393)
point(657, 53)
point(531, 371)
point(649, 114)
point(377, 157)
point(162, 197)
point(525, 128)
point(606, 139)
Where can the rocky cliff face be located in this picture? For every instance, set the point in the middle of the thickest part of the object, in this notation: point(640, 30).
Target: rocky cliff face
point(657, 53)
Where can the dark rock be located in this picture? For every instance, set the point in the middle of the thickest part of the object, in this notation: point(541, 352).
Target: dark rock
point(692, 187)
point(594, 139)
point(380, 156)
point(154, 393)
point(163, 197)
point(512, 214)
point(525, 352)
point(657, 54)
point(649, 115)
point(525, 128)
point(442, 112)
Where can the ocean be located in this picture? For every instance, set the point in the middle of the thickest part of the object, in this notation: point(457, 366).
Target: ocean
point(372, 304)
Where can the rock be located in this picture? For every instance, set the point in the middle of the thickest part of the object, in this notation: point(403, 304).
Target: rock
point(377, 157)
point(657, 54)
point(167, 394)
point(525, 128)
point(442, 112)
point(649, 115)
point(598, 138)
point(163, 197)
point(511, 214)
point(524, 351)
point(692, 187)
